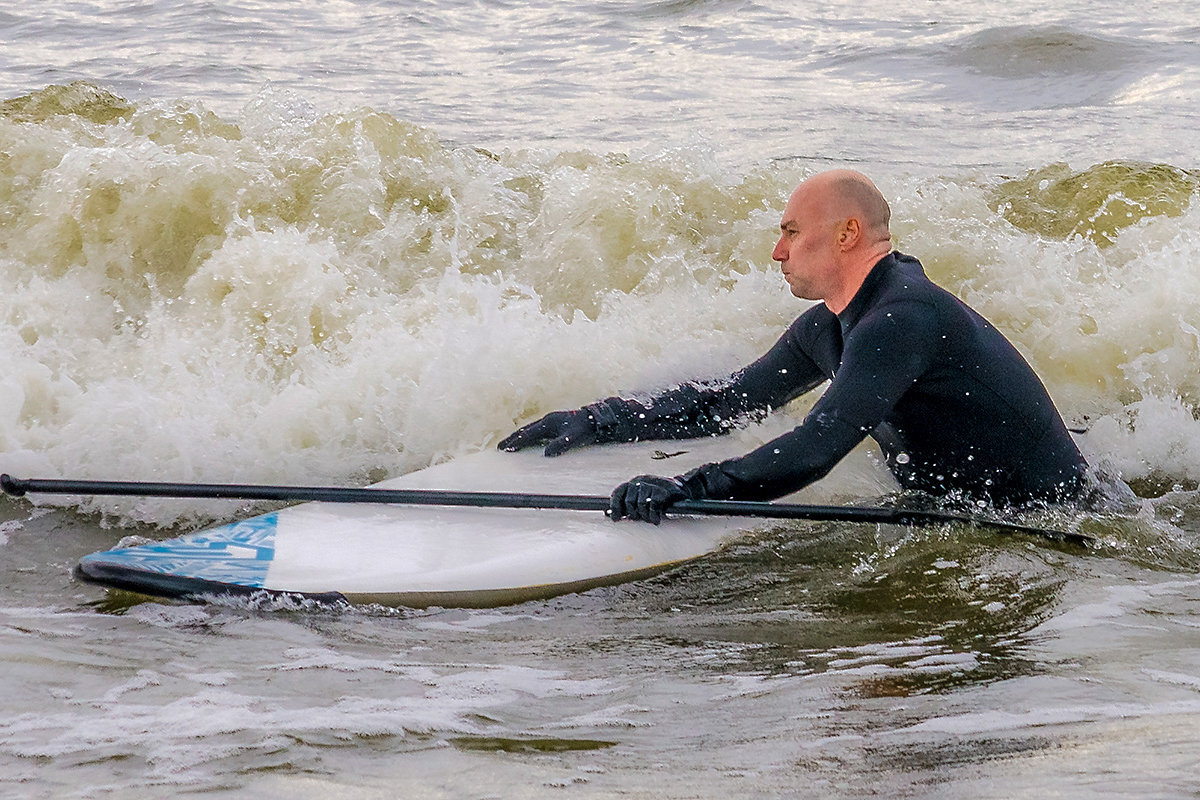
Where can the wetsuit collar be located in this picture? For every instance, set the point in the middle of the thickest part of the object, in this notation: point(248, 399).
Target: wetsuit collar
point(865, 295)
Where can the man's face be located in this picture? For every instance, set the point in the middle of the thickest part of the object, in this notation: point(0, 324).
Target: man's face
point(805, 250)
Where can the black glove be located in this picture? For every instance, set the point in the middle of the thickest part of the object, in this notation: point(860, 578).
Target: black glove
point(563, 430)
point(646, 497)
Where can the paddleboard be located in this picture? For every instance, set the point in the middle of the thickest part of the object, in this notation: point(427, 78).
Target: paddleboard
point(422, 556)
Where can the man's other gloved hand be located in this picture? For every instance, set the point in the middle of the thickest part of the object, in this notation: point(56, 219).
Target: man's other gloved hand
point(561, 430)
point(646, 497)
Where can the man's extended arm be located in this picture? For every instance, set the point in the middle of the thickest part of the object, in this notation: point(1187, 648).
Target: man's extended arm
point(688, 411)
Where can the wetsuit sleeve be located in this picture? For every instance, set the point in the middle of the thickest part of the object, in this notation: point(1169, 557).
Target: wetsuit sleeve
point(693, 409)
point(886, 352)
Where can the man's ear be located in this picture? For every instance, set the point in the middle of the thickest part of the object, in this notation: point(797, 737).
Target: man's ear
point(849, 233)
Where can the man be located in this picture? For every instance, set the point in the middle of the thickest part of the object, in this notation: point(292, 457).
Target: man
point(952, 404)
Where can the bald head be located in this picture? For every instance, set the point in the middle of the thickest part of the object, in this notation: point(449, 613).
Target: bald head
point(834, 230)
point(845, 193)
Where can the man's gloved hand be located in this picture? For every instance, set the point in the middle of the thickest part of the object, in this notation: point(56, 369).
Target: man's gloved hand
point(561, 430)
point(646, 497)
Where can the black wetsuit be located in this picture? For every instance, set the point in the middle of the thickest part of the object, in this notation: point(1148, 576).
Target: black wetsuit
point(952, 404)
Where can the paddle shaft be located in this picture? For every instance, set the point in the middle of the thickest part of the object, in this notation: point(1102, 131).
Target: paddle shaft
point(436, 497)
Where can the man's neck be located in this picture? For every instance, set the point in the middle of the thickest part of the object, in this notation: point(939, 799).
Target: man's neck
point(854, 273)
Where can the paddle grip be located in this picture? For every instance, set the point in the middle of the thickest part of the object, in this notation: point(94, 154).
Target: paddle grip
point(12, 486)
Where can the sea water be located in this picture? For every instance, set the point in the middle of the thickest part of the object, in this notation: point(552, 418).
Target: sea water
point(336, 242)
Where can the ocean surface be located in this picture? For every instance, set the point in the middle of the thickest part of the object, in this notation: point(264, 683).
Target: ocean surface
point(329, 243)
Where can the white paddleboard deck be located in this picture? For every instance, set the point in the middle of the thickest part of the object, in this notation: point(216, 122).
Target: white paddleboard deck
point(423, 556)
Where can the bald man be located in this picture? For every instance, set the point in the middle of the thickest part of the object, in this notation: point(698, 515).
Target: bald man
point(951, 403)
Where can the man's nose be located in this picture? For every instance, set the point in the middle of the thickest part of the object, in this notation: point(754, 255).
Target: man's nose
point(780, 252)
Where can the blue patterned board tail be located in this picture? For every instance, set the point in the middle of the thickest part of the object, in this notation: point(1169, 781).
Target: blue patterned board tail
point(239, 553)
point(229, 560)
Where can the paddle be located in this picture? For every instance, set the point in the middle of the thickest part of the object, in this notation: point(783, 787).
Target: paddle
point(18, 487)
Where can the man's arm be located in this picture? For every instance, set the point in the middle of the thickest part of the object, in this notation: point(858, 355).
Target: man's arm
point(688, 411)
point(693, 410)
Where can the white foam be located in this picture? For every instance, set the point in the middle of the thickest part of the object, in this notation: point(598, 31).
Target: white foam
point(336, 297)
point(985, 722)
point(1173, 678)
point(179, 729)
point(1117, 603)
